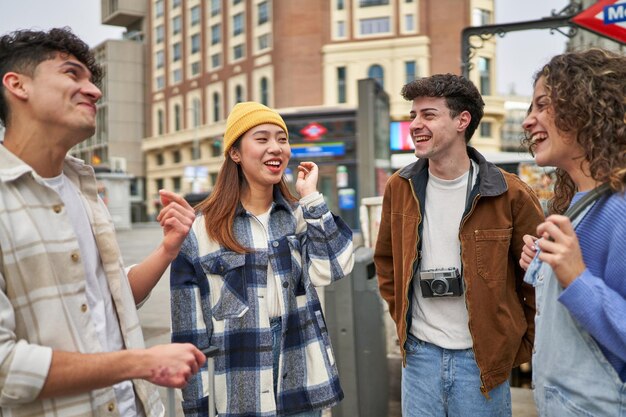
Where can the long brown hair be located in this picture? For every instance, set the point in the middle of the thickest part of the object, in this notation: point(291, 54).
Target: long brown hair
point(220, 208)
point(587, 92)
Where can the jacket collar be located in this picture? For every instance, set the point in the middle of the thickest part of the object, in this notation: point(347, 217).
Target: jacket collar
point(490, 179)
point(279, 203)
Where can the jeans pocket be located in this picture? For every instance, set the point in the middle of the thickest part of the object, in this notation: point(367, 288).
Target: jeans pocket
point(558, 405)
point(412, 345)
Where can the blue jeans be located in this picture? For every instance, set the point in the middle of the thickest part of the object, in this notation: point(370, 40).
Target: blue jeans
point(444, 382)
point(276, 326)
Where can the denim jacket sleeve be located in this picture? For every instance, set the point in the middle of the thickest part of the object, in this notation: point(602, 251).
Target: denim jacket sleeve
point(326, 245)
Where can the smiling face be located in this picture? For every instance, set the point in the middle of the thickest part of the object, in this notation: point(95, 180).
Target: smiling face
point(435, 133)
point(551, 146)
point(62, 97)
point(263, 154)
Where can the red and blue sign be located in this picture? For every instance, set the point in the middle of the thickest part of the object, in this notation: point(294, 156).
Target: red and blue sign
point(606, 18)
point(313, 131)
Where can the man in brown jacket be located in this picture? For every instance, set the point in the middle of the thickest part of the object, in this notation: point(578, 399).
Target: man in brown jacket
point(446, 257)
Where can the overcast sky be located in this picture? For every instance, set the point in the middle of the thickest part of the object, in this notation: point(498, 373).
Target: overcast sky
point(519, 54)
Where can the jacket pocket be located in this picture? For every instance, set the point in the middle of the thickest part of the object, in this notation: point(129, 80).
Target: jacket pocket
point(492, 253)
point(229, 269)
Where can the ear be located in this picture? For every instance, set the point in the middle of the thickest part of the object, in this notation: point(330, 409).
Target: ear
point(14, 84)
point(464, 120)
point(234, 155)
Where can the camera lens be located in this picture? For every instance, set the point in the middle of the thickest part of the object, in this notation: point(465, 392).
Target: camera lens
point(439, 286)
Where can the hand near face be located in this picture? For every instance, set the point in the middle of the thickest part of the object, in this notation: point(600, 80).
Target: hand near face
point(560, 248)
point(307, 178)
point(176, 219)
point(528, 251)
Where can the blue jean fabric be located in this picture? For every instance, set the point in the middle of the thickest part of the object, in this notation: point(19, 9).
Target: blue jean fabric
point(571, 376)
point(441, 382)
point(276, 325)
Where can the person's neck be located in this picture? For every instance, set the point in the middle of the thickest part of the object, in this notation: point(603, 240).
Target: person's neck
point(449, 168)
point(582, 178)
point(38, 150)
point(257, 200)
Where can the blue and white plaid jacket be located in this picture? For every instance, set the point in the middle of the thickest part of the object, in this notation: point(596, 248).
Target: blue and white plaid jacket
point(218, 299)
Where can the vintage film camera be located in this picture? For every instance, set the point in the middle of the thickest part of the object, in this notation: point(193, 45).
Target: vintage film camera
point(444, 282)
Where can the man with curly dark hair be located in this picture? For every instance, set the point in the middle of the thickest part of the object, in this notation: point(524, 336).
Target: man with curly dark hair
point(446, 257)
point(70, 339)
point(577, 123)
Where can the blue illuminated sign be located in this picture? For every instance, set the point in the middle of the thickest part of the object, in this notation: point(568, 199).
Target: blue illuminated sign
point(305, 150)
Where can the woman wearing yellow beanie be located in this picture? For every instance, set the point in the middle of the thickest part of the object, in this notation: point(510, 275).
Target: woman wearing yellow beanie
point(246, 275)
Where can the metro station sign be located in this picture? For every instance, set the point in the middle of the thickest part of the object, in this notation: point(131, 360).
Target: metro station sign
point(606, 18)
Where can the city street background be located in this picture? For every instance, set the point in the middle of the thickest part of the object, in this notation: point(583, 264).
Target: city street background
point(154, 315)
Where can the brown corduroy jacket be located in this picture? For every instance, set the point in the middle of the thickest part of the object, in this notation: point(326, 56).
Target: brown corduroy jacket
point(501, 307)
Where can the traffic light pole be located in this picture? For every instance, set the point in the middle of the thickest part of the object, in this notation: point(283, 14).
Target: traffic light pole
point(486, 32)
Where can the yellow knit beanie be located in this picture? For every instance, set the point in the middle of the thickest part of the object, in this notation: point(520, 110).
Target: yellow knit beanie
point(246, 115)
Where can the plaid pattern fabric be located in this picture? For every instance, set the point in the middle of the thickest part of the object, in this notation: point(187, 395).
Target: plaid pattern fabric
point(218, 299)
point(43, 300)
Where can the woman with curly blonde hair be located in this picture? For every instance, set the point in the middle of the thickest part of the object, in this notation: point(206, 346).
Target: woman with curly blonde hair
point(577, 123)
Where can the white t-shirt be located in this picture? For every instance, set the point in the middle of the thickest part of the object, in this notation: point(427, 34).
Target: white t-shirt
point(442, 321)
point(97, 288)
point(273, 299)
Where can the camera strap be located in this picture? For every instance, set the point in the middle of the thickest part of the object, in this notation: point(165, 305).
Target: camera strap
point(575, 210)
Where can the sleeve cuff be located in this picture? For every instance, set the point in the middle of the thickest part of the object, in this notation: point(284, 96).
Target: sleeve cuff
point(29, 370)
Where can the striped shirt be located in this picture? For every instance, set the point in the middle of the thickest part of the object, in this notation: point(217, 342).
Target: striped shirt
point(219, 299)
point(43, 301)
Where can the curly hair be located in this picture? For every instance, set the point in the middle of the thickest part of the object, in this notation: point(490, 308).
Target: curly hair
point(21, 51)
point(460, 95)
point(587, 91)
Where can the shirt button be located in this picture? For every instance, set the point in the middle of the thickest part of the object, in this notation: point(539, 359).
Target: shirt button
point(83, 308)
point(540, 277)
point(111, 407)
point(311, 209)
point(275, 243)
point(75, 256)
point(285, 284)
point(538, 312)
point(534, 350)
point(57, 208)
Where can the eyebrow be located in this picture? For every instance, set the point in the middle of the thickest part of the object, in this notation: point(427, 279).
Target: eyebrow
point(267, 132)
point(78, 66)
point(424, 110)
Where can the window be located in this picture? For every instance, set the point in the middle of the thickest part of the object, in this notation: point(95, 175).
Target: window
point(340, 5)
point(177, 75)
point(176, 184)
point(409, 24)
point(216, 150)
point(236, 2)
point(238, 94)
point(159, 160)
point(238, 24)
point(216, 33)
point(195, 15)
point(213, 175)
point(375, 25)
point(410, 71)
point(263, 93)
point(176, 52)
point(263, 12)
point(481, 17)
point(160, 122)
point(237, 51)
point(195, 68)
point(195, 43)
point(341, 84)
point(485, 129)
point(376, 72)
point(160, 82)
point(160, 59)
point(341, 29)
point(176, 25)
point(264, 41)
point(216, 60)
point(158, 8)
point(159, 33)
point(484, 67)
point(176, 158)
point(195, 109)
point(177, 120)
point(367, 3)
point(175, 3)
point(216, 7)
point(216, 107)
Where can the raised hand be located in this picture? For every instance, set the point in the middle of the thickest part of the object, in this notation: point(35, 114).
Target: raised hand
point(528, 251)
point(307, 178)
point(176, 218)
